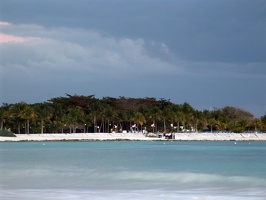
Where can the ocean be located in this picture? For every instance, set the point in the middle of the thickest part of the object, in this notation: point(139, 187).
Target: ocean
point(132, 170)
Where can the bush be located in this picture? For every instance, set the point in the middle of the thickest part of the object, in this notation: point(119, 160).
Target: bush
point(6, 133)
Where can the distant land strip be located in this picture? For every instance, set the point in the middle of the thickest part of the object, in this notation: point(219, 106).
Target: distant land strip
point(136, 137)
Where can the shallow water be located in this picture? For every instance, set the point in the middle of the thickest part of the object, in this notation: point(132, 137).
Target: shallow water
point(132, 170)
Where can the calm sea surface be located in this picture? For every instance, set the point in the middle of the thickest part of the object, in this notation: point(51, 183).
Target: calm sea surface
point(132, 170)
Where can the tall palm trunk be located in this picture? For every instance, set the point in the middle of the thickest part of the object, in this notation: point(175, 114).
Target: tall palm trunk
point(94, 122)
point(153, 127)
point(28, 126)
point(164, 126)
point(42, 126)
point(2, 124)
point(108, 126)
point(18, 128)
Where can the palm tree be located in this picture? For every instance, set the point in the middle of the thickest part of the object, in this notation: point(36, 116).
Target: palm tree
point(154, 115)
point(257, 123)
point(242, 124)
point(189, 121)
point(58, 117)
point(88, 121)
point(185, 120)
point(16, 111)
point(120, 118)
point(139, 119)
point(4, 114)
point(110, 115)
point(165, 113)
point(263, 122)
point(212, 122)
point(27, 114)
point(43, 113)
point(75, 117)
point(178, 117)
point(222, 125)
point(2, 118)
point(198, 116)
point(96, 108)
point(130, 116)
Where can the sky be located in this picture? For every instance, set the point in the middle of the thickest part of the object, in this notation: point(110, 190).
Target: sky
point(210, 54)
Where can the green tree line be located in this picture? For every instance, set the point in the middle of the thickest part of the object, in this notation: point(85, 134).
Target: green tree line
point(75, 113)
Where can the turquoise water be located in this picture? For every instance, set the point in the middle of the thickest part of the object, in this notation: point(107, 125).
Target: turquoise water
point(132, 170)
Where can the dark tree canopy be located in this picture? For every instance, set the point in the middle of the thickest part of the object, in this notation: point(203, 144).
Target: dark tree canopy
point(88, 113)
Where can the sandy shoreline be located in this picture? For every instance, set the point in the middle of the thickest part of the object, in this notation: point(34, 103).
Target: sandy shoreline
point(136, 136)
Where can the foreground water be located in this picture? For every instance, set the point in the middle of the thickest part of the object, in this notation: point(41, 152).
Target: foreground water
point(132, 170)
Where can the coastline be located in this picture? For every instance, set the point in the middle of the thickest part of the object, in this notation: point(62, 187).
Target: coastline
point(135, 137)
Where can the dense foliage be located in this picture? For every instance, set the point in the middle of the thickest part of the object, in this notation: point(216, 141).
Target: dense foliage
point(6, 133)
point(75, 113)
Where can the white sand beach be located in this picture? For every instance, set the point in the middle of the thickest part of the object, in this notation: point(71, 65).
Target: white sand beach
point(136, 136)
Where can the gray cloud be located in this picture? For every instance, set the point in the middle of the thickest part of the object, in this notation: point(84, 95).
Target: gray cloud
point(208, 53)
point(73, 55)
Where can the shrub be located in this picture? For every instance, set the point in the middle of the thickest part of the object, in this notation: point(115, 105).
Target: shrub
point(6, 133)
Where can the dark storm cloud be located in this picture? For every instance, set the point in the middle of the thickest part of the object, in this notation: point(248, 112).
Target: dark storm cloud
point(226, 31)
point(208, 53)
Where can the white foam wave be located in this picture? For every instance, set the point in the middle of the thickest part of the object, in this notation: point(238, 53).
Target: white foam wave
point(124, 179)
point(129, 195)
point(191, 179)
